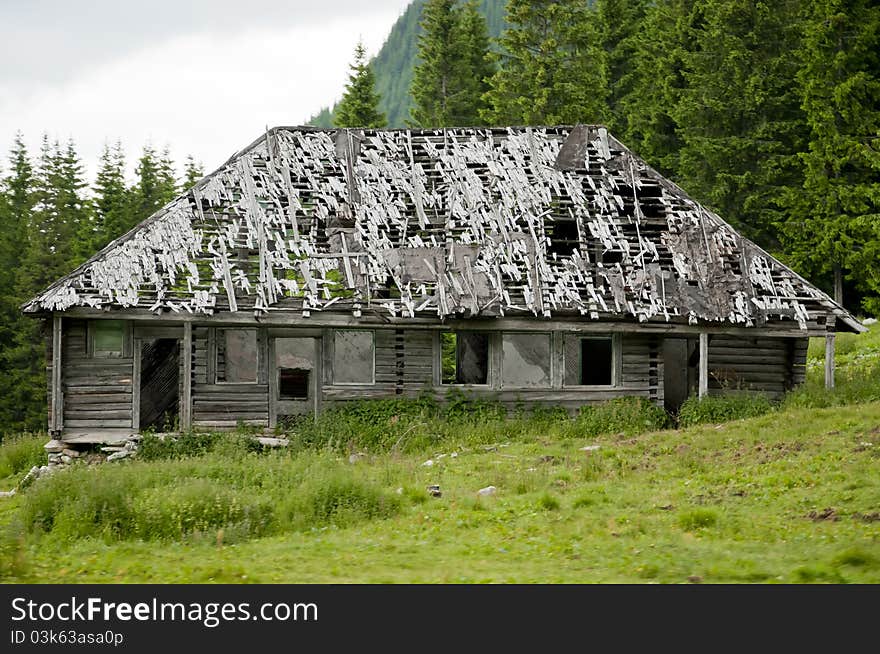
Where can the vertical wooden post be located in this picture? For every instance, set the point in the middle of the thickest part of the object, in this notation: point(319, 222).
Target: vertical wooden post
point(186, 399)
point(273, 383)
point(136, 384)
point(704, 364)
point(436, 359)
point(829, 360)
point(57, 393)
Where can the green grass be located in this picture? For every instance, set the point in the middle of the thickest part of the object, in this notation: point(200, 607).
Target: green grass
point(791, 496)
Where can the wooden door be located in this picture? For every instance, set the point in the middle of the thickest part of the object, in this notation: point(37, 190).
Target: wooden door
point(294, 382)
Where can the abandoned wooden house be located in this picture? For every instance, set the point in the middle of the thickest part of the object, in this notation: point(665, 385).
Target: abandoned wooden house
point(537, 265)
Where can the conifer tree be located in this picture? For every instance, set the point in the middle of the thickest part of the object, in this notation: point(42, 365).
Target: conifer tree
point(739, 116)
point(661, 45)
point(193, 171)
point(112, 198)
point(833, 231)
point(619, 23)
point(451, 75)
point(51, 251)
point(155, 184)
point(359, 106)
point(550, 67)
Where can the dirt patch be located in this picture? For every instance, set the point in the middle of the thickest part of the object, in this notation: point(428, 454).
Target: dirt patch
point(826, 514)
point(868, 517)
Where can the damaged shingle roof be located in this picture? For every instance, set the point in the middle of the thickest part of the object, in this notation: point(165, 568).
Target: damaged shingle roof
point(448, 222)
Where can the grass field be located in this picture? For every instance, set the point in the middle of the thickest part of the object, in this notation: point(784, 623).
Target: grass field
point(790, 495)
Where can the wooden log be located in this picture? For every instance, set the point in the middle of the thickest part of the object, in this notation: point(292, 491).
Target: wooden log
point(186, 391)
point(704, 365)
point(57, 391)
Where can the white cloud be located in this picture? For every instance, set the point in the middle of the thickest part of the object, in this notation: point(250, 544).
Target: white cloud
point(205, 93)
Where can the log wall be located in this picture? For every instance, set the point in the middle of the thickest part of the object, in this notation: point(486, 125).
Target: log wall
point(759, 364)
point(97, 391)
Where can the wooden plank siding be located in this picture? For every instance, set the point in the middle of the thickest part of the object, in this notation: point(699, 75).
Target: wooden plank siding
point(97, 393)
point(767, 365)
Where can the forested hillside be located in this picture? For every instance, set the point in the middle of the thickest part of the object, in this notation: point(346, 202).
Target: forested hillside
point(393, 65)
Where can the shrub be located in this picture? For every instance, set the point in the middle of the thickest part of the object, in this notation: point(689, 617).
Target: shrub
point(18, 454)
point(548, 503)
point(153, 447)
point(339, 499)
point(627, 415)
point(197, 497)
point(199, 506)
point(697, 519)
point(723, 408)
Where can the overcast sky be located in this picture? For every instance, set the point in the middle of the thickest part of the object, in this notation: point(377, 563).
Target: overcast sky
point(204, 77)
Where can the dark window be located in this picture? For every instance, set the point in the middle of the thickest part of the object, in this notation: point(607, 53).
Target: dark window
point(464, 357)
point(589, 361)
point(596, 361)
point(293, 383)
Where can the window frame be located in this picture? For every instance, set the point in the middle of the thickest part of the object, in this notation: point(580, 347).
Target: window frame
point(550, 370)
point(94, 353)
point(219, 332)
point(372, 382)
point(490, 350)
point(616, 360)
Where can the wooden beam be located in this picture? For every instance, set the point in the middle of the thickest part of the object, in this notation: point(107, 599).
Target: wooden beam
point(186, 396)
point(57, 391)
point(284, 318)
point(704, 365)
point(273, 384)
point(136, 384)
point(829, 360)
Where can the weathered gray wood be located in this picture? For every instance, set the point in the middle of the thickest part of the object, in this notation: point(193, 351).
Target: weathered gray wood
point(136, 384)
point(57, 360)
point(273, 385)
point(283, 317)
point(318, 376)
point(557, 359)
point(186, 371)
point(704, 365)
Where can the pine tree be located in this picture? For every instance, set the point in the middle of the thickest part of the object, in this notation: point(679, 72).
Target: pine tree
point(155, 184)
point(834, 228)
point(550, 68)
point(661, 45)
point(359, 106)
point(112, 198)
point(18, 205)
point(739, 115)
point(193, 171)
point(451, 75)
point(619, 24)
point(59, 211)
point(480, 66)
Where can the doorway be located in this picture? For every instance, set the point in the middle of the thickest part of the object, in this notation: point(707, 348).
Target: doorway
point(680, 371)
point(294, 383)
point(159, 384)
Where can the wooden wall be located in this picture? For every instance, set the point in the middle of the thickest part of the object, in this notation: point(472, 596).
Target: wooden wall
point(405, 365)
point(762, 364)
point(97, 392)
point(226, 405)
